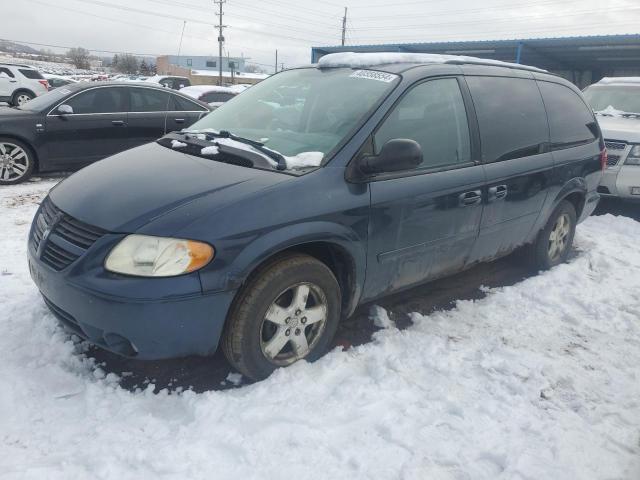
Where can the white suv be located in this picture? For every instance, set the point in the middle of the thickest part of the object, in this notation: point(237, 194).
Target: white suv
point(616, 101)
point(20, 83)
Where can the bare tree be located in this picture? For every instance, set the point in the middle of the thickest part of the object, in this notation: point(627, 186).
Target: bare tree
point(127, 63)
point(253, 68)
point(79, 57)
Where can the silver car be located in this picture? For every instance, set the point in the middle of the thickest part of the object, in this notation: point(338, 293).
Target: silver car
point(616, 102)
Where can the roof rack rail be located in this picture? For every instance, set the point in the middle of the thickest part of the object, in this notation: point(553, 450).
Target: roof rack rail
point(370, 59)
point(17, 65)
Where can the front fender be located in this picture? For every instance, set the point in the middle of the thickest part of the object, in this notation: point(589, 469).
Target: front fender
point(269, 244)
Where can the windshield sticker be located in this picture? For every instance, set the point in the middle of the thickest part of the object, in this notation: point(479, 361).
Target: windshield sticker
point(374, 75)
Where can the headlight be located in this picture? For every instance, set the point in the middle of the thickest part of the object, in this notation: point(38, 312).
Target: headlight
point(147, 256)
point(634, 156)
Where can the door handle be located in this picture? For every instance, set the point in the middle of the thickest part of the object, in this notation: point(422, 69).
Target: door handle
point(179, 120)
point(470, 198)
point(497, 192)
point(117, 123)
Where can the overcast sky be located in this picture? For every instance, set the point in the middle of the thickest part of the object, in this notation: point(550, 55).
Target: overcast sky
point(257, 29)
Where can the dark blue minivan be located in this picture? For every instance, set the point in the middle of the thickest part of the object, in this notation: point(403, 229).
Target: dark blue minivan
point(317, 190)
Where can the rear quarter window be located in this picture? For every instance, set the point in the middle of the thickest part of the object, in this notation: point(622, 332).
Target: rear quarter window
point(32, 74)
point(511, 117)
point(570, 120)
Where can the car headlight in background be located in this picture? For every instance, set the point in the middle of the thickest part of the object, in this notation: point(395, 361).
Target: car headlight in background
point(634, 156)
point(147, 256)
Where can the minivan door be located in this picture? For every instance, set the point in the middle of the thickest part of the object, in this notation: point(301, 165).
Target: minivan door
point(517, 161)
point(424, 222)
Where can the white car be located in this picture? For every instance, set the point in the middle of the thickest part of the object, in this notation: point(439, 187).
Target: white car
point(214, 95)
point(20, 83)
point(616, 101)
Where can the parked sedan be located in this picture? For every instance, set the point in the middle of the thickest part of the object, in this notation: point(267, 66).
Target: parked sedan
point(81, 123)
point(214, 95)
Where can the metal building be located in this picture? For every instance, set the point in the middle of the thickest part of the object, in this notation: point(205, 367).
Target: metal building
point(582, 60)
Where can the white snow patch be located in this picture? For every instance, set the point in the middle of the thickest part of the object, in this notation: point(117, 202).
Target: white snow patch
point(304, 160)
point(177, 144)
point(210, 150)
point(372, 59)
point(380, 317)
point(536, 380)
point(611, 111)
point(234, 378)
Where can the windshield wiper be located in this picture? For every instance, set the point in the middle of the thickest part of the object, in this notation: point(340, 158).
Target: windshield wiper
point(211, 136)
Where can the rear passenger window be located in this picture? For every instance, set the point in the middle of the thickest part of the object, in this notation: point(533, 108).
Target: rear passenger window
point(181, 104)
point(149, 100)
point(432, 114)
point(32, 74)
point(570, 120)
point(511, 116)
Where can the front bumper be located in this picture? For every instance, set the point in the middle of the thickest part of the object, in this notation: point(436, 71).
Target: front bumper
point(153, 327)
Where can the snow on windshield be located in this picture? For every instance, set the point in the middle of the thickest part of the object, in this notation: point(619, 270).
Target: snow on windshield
point(354, 60)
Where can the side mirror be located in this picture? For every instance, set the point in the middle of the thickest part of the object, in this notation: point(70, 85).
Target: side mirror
point(396, 155)
point(65, 109)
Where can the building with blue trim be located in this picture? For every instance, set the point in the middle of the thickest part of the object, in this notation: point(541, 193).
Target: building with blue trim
point(581, 60)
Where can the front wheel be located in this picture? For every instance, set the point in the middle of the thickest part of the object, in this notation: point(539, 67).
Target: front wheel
point(16, 161)
point(287, 312)
point(553, 244)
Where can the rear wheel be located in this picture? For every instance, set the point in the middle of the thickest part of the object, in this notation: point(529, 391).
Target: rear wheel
point(289, 311)
point(16, 161)
point(553, 244)
point(20, 98)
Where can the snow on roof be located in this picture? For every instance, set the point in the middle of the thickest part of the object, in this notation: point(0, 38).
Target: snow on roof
point(620, 80)
point(352, 59)
point(239, 75)
point(197, 90)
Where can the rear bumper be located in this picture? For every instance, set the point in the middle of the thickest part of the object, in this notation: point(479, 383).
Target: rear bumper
point(153, 328)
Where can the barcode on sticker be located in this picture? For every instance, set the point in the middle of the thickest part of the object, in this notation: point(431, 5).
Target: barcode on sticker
point(374, 75)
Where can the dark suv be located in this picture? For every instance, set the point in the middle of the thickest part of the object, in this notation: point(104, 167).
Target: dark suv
point(317, 190)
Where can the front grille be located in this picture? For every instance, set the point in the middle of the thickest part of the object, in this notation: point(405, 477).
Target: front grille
point(612, 160)
point(68, 237)
point(615, 145)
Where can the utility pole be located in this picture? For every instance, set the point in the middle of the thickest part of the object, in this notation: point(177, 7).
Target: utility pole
point(220, 39)
point(344, 25)
point(276, 71)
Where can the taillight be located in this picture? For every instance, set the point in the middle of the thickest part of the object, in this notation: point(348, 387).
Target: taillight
point(44, 83)
point(604, 156)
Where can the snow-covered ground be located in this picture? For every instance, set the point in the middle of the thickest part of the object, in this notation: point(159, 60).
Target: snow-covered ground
point(540, 380)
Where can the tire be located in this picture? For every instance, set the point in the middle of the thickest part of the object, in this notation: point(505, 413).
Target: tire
point(17, 161)
point(21, 97)
point(553, 243)
point(292, 301)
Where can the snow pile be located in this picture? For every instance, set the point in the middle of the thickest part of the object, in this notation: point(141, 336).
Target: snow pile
point(371, 59)
point(196, 91)
point(540, 380)
point(611, 111)
point(177, 144)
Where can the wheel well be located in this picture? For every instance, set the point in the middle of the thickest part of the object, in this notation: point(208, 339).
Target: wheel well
point(339, 261)
point(36, 162)
point(22, 89)
point(577, 200)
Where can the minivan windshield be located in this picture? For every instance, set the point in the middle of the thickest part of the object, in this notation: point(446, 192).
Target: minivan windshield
point(623, 98)
point(302, 113)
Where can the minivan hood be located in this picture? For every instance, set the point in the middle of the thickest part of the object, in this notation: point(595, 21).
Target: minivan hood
point(620, 128)
point(128, 190)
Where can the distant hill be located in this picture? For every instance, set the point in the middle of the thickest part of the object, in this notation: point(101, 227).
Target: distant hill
point(7, 46)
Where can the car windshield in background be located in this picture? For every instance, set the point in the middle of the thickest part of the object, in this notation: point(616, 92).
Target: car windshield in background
point(45, 101)
point(300, 111)
point(622, 98)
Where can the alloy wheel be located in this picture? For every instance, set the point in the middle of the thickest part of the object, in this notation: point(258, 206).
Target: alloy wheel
point(22, 99)
point(559, 236)
point(14, 161)
point(293, 324)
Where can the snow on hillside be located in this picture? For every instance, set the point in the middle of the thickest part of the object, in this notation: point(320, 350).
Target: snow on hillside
point(540, 380)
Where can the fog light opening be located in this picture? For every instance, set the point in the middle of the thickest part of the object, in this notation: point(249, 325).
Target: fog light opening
point(120, 344)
